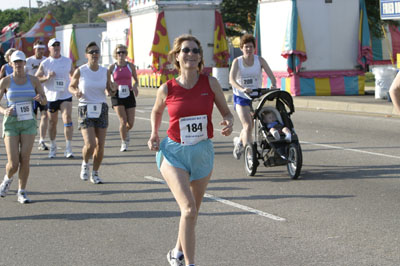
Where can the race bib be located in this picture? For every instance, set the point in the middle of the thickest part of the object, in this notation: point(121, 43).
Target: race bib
point(93, 110)
point(24, 111)
point(59, 84)
point(193, 129)
point(250, 82)
point(123, 91)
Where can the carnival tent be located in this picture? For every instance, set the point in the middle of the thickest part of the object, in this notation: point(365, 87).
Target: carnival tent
point(44, 29)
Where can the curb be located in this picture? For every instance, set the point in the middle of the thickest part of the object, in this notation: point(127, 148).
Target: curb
point(347, 104)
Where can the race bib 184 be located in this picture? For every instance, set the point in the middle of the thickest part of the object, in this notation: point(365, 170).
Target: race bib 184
point(193, 129)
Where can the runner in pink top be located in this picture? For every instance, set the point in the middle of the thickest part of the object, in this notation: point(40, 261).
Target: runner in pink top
point(124, 102)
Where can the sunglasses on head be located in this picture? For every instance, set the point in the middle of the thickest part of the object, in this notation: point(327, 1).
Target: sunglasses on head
point(93, 52)
point(121, 52)
point(186, 50)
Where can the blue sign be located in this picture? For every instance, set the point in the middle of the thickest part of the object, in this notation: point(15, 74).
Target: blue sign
point(390, 9)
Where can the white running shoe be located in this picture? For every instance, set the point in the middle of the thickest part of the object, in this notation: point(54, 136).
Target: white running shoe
point(53, 151)
point(68, 153)
point(42, 146)
point(95, 179)
point(123, 146)
point(23, 197)
point(175, 261)
point(5, 186)
point(237, 150)
point(84, 172)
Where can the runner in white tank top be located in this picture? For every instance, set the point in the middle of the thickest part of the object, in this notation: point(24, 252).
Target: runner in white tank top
point(246, 75)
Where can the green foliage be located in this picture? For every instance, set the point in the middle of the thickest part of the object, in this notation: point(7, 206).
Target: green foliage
point(374, 19)
point(238, 16)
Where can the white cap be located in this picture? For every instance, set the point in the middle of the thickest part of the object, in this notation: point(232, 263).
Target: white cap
point(17, 55)
point(52, 41)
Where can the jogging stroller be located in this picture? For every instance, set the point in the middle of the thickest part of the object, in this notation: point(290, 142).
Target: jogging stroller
point(278, 150)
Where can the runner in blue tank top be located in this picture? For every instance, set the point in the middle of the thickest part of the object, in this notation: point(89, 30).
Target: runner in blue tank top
point(19, 124)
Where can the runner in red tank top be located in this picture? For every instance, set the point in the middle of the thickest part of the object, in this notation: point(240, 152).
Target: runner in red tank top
point(188, 151)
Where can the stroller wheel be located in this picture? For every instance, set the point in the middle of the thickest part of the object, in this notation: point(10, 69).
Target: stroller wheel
point(250, 159)
point(295, 160)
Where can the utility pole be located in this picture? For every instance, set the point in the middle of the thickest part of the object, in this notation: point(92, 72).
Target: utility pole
point(29, 9)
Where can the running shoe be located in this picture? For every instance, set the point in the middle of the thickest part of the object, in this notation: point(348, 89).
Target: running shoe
point(95, 179)
point(175, 261)
point(84, 172)
point(68, 153)
point(42, 146)
point(123, 146)
point(5, 186)
point(237, 150)
point(53, 151)
point(23, 197)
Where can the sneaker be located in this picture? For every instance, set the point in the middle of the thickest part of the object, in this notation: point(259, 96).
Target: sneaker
point(237, 150)
point(288, 137)
point(175, 261)
point(23, 197)
point(123, 146)
point(5, 186)
point(84, 172)
point(276, 135)
point(68, 153)
point(53, 151)
point(42, 146)
point(95, 179)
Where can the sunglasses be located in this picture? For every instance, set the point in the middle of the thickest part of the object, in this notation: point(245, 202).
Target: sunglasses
point(186, 50)
point(56, 44)
point(93, 52)
point(121, 52)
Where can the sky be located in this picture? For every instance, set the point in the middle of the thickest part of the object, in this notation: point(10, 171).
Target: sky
point(7, 4)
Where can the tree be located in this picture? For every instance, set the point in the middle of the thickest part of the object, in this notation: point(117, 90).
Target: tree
point(239, 16)
point(374, 18)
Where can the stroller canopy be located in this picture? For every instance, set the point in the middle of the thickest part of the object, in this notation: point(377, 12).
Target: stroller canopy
point(281, 97)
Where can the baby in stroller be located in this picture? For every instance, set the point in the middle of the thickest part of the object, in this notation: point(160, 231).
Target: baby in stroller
point(274, 126)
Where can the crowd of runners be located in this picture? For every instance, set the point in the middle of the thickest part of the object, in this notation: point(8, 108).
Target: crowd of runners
point(185, 157)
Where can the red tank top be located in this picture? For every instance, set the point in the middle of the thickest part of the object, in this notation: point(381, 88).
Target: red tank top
point(182, 102)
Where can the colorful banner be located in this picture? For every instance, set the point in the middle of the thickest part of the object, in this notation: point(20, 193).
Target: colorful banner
point(257, 34)
point(364, 38)
point(129, 43)
point(73, 48)
point(160, 47)
point(294, 48)
point(221, 50)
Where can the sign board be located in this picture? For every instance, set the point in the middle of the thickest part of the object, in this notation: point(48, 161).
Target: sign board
point(390, 9)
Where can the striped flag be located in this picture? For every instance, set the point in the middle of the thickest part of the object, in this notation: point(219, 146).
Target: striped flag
point(73, 49)
point(129, 43)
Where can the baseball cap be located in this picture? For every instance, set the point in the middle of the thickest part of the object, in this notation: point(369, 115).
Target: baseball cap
point(52, 41)
point(18, 55)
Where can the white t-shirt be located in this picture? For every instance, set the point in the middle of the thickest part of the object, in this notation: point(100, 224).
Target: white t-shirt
point(56, 88)
point(32, 64)
point(248, 76)
point(92, 84)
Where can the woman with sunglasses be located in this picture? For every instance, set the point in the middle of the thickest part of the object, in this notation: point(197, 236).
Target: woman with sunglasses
point(89, 83)
point(19, 123)
point(124, 102)
point(187, 150)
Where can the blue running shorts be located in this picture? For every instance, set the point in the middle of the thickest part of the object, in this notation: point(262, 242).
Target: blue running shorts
point(197, 160)
point(240, 101)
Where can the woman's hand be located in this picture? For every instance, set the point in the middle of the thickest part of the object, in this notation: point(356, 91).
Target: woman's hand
point(154, 143)
point(8, 111)
point(228, 127)
point(78, 94)
point(113, 89)
point(135, 90)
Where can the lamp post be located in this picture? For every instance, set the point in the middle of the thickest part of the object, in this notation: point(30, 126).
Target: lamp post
point(29, 10)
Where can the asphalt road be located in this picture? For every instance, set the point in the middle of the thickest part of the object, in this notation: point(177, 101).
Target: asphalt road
point(344, 210)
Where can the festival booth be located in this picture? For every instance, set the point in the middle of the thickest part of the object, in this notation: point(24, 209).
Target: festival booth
point(7, 37)
point(44, 29)
point(150, 28)
point(315, 47)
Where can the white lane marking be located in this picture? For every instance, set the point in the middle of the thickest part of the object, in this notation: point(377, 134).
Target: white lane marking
point(230, 203)
point(349, 149)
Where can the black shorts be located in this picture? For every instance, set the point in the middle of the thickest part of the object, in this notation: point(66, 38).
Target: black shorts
point(55, 106)
point(128, 102)
point(85, 122)
point(37, 105)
